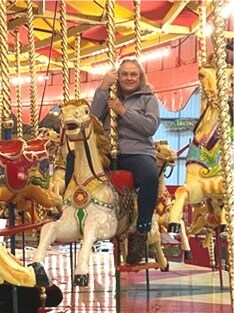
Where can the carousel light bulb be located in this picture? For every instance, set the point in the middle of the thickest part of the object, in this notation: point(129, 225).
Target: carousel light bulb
point(40, 78)
point(208, 30)
point(100, 69)
point(166, 52)
point(27, 79)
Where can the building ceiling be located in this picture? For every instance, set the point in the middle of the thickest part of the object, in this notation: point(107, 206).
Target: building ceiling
point(161, 22)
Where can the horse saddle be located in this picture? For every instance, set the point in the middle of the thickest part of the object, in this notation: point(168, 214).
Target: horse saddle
point(17, 157)
point(11, 149)
point(122, 179)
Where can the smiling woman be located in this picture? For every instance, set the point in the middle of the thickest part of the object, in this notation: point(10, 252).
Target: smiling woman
point(138, 120)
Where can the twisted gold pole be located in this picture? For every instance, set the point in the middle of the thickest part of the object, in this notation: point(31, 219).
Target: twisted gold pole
point(137, 28)
point(225, 133)
point(77, 66)
point(202, 37)
point(18, 86)
point(32, 70)
point(110, 11)
point(1, 106)
point(65, 70)
point(202, 55)
point(4, 68)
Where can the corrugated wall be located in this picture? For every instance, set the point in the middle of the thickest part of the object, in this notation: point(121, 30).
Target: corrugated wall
point(177, 139)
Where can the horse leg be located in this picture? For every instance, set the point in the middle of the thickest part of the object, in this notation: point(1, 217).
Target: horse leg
point(197, 226)
point(160, 257)
point(154, 239)
point(47, 236)
point(209, 244)
point(176, 213)
point(185, 242)
point(65, 230)
point(83, 255)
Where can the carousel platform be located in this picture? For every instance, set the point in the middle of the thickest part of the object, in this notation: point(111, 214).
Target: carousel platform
point(184, 288)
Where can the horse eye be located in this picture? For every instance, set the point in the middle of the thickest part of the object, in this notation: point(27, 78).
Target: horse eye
point(86, 111)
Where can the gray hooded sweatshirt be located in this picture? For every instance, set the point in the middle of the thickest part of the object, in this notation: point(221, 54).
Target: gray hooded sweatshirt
point(138, 124)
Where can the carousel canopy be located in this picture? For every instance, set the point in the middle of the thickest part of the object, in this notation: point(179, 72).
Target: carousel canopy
point(160, 23)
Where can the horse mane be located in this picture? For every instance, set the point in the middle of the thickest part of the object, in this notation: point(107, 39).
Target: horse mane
point(102, 142)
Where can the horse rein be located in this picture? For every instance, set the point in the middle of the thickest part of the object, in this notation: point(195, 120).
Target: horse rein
point(88, 154)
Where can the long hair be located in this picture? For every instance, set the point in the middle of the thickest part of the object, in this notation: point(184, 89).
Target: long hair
point(143, 81)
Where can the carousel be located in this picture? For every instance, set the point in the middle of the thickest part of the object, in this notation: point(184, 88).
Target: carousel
point(66, 211)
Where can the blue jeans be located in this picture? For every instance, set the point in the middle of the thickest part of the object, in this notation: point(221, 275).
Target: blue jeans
point(145, 175)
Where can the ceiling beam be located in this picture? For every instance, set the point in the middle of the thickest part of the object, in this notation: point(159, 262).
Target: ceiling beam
point(57, 37)
point(17, 22)
point(172, 14)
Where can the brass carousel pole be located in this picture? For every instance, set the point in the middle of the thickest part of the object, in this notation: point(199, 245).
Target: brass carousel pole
point(110, 12)
point(225, 133)
point(65, 75)
point(202, 60)
point(5, 81)
point(65, 69)
point(202, 55)
point(77, 66)
point(7, 117)
point(18, 86)
point(137, 28)
point(32, 70)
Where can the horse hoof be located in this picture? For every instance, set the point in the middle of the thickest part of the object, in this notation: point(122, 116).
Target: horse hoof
point(42, 279)
point(173, 228)
point(188, 255)
point(166, 269)
point(81, 280)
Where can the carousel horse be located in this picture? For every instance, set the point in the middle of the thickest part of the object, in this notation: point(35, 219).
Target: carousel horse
point(165, 158)
point(203, 188)
point(92, 206)
point(24, 173)
point(13, 272)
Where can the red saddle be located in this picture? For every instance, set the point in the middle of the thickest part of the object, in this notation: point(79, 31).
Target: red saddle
point(122, 179)
point(17, 157)
point(11, 149)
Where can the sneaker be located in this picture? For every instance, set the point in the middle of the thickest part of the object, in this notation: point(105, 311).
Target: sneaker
point(136, 247)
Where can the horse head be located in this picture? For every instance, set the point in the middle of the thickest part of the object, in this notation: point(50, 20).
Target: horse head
point(208, 78)
point(76, 119)
point(53, 141)
point(164, 154)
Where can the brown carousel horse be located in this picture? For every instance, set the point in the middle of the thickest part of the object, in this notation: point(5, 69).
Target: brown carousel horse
point(203, 188)
point(92, 207)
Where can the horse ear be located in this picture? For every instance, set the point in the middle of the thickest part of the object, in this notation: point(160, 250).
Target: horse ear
point(76, 102)
point(211, 58)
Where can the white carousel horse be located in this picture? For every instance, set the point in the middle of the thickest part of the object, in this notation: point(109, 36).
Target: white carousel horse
point(204, 180)
point(91, 208)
